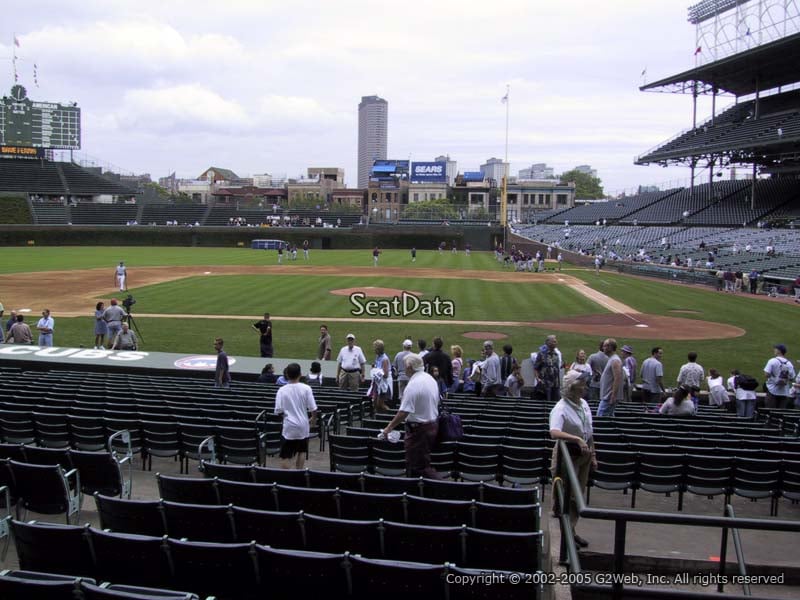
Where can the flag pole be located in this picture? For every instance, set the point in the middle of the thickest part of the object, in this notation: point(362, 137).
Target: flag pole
point(14, 44)
point(504, 197)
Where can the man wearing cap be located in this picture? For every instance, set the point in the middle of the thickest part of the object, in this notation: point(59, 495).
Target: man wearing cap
point(114, 316)
point(780, 374)
point(121, 276)
point(350, 365)
point(547, 368)
point(420, 411)
point(400, 367)
point(491, 382)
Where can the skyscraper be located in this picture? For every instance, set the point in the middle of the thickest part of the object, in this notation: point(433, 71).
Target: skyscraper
point(373, 119)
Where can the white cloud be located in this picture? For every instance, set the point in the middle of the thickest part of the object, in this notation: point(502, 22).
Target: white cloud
point(264, 86)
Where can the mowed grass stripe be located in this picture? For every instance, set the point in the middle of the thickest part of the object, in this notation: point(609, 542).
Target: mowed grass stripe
point(304, 295)
point(58, 258)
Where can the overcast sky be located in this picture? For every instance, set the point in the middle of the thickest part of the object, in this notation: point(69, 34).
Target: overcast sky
point(273, 87)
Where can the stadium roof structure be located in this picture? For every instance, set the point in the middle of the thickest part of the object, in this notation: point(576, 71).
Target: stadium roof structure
point(762, 68)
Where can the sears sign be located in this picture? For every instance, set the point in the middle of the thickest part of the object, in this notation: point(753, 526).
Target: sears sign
point(429, 172)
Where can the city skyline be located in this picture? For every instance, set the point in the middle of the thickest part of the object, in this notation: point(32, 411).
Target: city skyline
point(258, 88)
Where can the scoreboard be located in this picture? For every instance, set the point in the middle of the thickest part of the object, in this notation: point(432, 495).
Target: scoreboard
point(26, 123)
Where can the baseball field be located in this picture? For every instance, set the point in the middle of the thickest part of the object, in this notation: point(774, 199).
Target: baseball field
point(187, 296)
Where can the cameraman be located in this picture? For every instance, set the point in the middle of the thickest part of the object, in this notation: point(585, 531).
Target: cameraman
point(125, 339)
point(114, 315)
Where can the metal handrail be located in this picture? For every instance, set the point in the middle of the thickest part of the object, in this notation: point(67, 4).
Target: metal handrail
point(737, 546)
point(621, 519)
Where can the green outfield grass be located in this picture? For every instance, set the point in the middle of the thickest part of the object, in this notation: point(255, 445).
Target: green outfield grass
point(308, 295)
point(767, 322)
point(24, 259)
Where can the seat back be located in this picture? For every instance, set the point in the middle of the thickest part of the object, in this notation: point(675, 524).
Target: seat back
point(18, 586)
point(101, 472)
point(190, 490)
point(223, 570)
point(199, 522)
point(126, 558)
point(144, 517)
point(45, 489)
point(53, 548)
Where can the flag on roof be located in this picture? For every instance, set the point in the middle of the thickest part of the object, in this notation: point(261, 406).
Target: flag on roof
point(16, 41)
point(698, 51)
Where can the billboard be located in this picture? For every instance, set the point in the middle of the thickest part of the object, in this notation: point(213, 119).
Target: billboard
point(24, 122)
point(429, 172)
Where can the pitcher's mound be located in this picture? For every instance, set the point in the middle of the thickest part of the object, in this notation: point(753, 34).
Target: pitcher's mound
point(484, 335)
point(374, 292)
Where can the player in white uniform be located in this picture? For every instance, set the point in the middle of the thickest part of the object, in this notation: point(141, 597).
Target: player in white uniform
point(121, 274)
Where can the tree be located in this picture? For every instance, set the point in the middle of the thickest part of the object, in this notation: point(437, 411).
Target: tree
point(439, 210)
point(586, 186)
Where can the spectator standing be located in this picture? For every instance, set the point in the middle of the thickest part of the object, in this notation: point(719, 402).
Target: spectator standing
point(691, 374)
point(653, 376)
point(440, 359)
point(113, 316)
point(514, 382)
point(264, 328)
point(611, 381)
point(547, 369)
point(400, 367)
point(350, 365)
point(780, 374)
point(100, 326)
point(597, 362)
point(45, 327)
point(222, 372)
point(324, 350)
point(717, 395)
point(629, 366)
point(422, 345)
point(571, 421)
point(381, 374)
point(490, 372)
point(456, 366)
point(420, 411)
point(507, 362)
point(295, 402)
point(19, 333)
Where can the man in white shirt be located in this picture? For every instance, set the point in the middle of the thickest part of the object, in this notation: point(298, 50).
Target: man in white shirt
point(780, 374)
point(691, 374)
point(45, 327)
point(121, 275)
point(295, 401)
point(350, 365)
point(420, 411)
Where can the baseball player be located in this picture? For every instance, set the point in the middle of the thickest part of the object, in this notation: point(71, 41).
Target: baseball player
point(121, 275)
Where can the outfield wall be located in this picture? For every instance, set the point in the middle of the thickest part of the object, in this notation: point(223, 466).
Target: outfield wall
point(384, 236)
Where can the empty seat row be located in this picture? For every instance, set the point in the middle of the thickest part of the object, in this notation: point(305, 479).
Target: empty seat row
point(704, 475)
point(365, 482)
point(375, 538)
point(35, 585)
point(522, 465)
point(345, 504)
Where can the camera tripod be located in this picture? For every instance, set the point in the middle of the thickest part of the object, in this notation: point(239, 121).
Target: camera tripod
point(132, 323)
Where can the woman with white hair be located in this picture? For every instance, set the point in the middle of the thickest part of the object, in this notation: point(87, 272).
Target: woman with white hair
point(571, 421)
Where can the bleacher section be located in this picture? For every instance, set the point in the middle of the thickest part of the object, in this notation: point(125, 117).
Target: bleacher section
point(89, 213)
point(50, 213)
point(55, 179)
point(30, 177)
point(182, 213)
point(613, 210)
point(84, 183)
point(736, 128)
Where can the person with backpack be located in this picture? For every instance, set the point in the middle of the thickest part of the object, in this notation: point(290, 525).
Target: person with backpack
point(780, 374)
point(744, 387)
